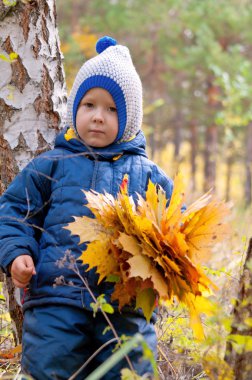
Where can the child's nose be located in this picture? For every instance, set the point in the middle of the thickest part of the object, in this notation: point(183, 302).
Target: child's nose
point(99, 114)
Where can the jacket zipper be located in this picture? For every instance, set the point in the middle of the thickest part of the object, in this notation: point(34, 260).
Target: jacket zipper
point(95, 171)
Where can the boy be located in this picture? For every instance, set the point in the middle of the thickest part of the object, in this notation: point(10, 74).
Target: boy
point(102, 142)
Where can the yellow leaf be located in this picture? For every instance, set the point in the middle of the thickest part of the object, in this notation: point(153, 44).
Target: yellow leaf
point(171, 264)
point(205, 228)
point(162, 202)
point(103, 208)
point(154, 205)
point(15, 350)
point(217, 368)
point(128, 374)
point(195, 324)
point(173, 212)
point(70, 134)
point(151, 196)
point(87, 229)
point(146, 301)
point(242, 343)
point(197, 305)
point(129, 244)
point(98, 254)
point(10, 3)
point(177, 240)
point(141, 266)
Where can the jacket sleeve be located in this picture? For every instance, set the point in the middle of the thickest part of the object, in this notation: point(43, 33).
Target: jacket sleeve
point(22, 210)
point(159, 177)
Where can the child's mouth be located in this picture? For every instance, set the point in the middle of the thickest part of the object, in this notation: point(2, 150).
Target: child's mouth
point(96, 131)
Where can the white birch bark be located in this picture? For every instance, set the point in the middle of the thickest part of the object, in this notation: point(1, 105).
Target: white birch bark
point(32, 94)
point(32, 88)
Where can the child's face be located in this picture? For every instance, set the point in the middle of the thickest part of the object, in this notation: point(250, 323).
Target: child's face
point(96, 119)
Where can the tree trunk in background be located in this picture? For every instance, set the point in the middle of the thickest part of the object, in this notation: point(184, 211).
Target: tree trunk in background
point(153, 68)
point(248, 166)
point(32, 92)
point(229, 161)
point(210, 157)
point(77, 9)
point(241, 361)
point(229, 164)
point(152, 137)
point(194, 146)
point(211, 135)
point(177, 127)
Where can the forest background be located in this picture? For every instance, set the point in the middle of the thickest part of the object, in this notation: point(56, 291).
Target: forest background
point(195, 61)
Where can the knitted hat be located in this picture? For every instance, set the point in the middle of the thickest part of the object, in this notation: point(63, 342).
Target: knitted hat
point(113, 71)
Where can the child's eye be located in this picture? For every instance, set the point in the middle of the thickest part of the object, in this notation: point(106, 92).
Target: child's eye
point(89, 105)
point(112, 109)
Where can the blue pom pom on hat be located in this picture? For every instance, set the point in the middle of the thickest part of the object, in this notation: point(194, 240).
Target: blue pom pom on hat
point(112, 69)
point(105, 42)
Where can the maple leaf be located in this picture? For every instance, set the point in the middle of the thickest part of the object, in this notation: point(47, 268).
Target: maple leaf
point(99, 254)
point(146, 300)
point(172, 214)
point(103, 208)
point(87, 229)
point(124, 292)
point(129, 244)
point(152, 248)
point(201, 229)
point(142, 266)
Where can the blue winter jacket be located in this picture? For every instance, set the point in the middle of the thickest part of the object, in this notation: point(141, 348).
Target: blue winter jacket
point(46, 196)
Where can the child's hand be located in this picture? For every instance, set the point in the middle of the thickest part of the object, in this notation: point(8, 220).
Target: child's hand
point(22, 270)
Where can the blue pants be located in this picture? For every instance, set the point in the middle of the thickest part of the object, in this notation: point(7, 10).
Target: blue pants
point(58, 339)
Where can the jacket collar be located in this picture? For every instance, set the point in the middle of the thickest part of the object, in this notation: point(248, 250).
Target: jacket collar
point(67, 139)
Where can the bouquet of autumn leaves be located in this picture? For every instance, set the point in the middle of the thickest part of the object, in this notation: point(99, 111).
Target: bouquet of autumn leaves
point(152, 250)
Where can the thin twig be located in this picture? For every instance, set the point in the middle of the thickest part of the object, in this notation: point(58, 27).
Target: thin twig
point(166, 359)
point(91, 358)
point(17, 374)
point(28, 205)
point(7, 337)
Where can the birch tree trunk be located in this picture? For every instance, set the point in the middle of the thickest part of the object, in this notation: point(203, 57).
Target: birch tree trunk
point(32, 92)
